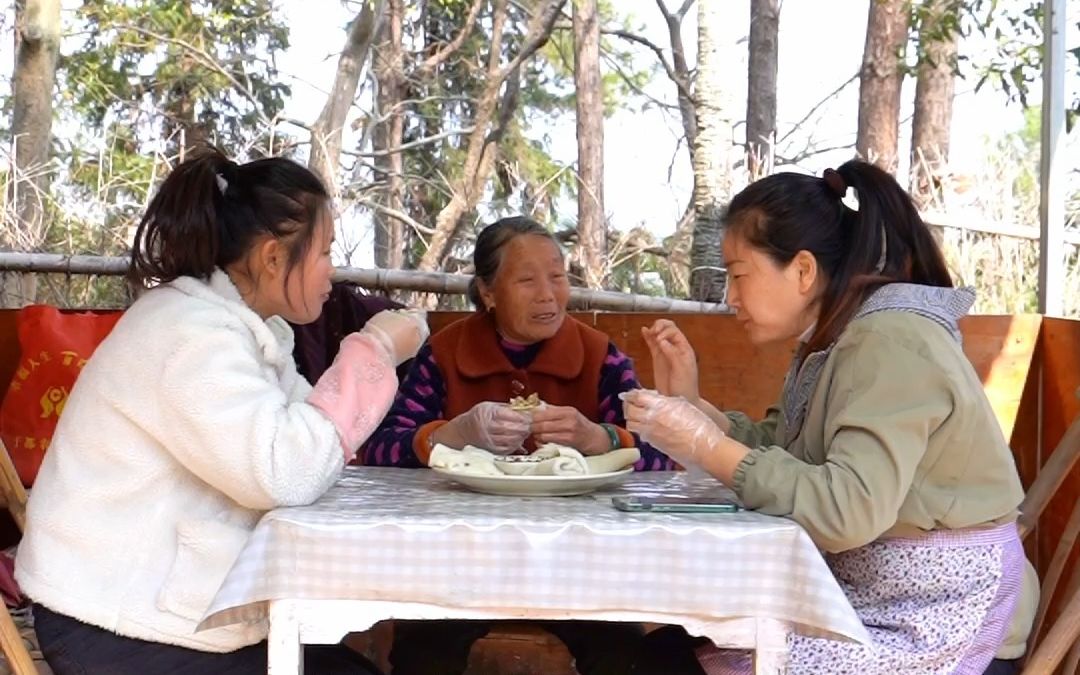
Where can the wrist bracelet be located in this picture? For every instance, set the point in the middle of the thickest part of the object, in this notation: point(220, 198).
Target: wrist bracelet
point(613, 435)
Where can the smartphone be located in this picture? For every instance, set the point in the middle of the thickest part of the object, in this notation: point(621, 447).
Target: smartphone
point(675, 504)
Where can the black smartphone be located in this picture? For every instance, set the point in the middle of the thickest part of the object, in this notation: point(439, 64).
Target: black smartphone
point(634, 503)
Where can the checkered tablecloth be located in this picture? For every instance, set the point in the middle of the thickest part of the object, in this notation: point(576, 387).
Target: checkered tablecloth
point(412, 536)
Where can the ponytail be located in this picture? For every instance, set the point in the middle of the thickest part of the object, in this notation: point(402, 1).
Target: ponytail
point(857, 222)
point(887, 242)
point(209, 212)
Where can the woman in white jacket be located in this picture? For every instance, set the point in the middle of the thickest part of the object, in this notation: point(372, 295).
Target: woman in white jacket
point(190, 421)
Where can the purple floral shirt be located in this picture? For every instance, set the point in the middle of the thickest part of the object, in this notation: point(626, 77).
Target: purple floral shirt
point(421, 395)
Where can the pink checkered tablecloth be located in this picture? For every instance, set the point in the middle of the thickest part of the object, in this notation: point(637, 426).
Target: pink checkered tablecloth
point(406, 535)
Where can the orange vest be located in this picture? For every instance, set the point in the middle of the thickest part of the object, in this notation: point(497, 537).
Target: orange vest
point(565, 372)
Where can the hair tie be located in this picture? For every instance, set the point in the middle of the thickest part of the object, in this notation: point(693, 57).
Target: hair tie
point(840, 189)
point(835, 182)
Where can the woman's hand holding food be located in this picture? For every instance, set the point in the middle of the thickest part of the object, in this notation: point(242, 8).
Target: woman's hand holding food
point(566, 426)
point(683, 431)
point(495, 427)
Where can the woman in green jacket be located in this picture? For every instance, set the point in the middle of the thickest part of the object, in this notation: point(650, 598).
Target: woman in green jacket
point(884, 446)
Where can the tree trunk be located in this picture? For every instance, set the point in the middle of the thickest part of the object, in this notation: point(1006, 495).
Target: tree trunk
point(679, 253)
point(480, 147)
point(682, 74)
point(37, 42)
point(934, 90)
point(880, 81)
point(180, 130)
point(761, 92)
point(712, 165)
point(325, 157)
point(591, 225)
point(389, 71)
point(679, 244)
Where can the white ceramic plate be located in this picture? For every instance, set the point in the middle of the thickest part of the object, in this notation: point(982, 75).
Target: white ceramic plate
point(536, 486)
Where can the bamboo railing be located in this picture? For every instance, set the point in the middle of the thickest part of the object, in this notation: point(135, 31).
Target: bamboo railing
point(440, 283)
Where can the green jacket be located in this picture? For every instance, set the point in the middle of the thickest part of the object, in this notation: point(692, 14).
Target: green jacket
point(897, 438)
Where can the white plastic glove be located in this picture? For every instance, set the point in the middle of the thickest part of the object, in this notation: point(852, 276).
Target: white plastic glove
point(565, 425)
point(672, 424)
point(495, 427)
point(399, 331)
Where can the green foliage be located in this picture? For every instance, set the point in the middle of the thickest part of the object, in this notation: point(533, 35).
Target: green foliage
point(156, 66)
point(138, 77)
point(932, 23)
point(134, 74)
point(1021, 148)
point(527, 178)
point(1016, 63)
point(1005, 189)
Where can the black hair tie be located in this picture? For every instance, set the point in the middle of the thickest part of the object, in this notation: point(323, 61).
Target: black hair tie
point(835, 182)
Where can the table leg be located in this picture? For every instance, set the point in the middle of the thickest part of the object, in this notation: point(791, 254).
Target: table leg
point(771, 654)
point(285, 652)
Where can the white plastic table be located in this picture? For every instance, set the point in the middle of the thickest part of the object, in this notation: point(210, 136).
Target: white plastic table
point(409, 544)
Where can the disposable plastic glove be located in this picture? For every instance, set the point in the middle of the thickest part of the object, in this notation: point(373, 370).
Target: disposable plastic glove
point(399, 331)
point(672, 424)
point(495, 427)
point(565, 425)
point(356, 390)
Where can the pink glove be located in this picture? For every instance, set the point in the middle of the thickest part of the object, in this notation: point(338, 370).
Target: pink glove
point(356, 391)
point(672, 424)
point(494, 427)
point(399, 331)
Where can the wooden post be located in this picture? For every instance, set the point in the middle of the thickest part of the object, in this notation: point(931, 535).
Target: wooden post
point(11, 641)
point(12, 488)
point(1052, 162)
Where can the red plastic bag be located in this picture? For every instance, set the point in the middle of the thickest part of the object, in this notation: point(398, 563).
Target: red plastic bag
point(53, 346)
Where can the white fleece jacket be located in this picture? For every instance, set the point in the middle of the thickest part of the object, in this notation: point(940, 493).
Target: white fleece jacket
point(186, 425)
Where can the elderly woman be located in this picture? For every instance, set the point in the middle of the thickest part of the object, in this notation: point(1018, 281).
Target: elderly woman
point(519, 342)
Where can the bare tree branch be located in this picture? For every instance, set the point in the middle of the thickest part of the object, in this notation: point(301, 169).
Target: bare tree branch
point(811, 152)
point(633, 86)
point(398, 215)
point(207, 60)
point(417, 143)
point(507, 107)
point(682, 71)
point(480, 152)
point(436, 59)
point(817, 106)
point(680, 82)
point(685, 9)
point(325, 157)
point(540, 28)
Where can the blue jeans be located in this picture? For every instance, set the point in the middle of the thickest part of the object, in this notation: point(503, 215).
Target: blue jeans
point(72, 647)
